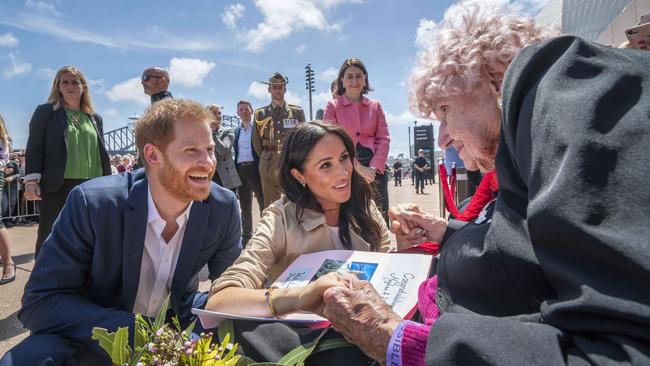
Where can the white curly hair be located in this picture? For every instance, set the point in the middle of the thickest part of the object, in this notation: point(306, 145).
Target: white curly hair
point(469, 47)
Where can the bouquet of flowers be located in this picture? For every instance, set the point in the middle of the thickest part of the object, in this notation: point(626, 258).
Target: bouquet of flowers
point(157, 343)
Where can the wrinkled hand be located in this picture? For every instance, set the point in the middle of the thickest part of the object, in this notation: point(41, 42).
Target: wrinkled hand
point(361, 315)
point(9, 179)
point(311, 296)
point(412, 226)
point(367, 173)
point(32, 192)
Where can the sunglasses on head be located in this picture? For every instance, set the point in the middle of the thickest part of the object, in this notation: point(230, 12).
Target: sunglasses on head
point(146, 77)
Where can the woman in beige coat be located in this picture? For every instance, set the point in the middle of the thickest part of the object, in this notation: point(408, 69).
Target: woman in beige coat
point(326, 205)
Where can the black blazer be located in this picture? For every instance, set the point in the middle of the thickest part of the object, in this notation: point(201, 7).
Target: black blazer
point(47, 146)
point(236, 147)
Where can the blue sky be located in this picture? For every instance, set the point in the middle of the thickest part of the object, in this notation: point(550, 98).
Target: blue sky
point(216, 51)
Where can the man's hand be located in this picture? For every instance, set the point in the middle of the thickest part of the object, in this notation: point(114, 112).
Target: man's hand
point(361, 315)
point(411, 225)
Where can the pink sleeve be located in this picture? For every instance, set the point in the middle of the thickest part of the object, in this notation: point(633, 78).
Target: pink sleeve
point(382, 141)
point(330, 112)
point(414, 344)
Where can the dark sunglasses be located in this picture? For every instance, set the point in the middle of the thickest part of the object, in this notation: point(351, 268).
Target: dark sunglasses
point(146, 77)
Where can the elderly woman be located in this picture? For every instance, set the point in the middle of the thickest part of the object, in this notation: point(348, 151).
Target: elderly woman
point(561, 276)
point(65, 147)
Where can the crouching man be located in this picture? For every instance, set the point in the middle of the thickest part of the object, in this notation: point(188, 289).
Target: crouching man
point(123, 243)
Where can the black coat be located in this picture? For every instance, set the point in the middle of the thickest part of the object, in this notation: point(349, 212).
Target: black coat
point(47, 150)
point(562, 276)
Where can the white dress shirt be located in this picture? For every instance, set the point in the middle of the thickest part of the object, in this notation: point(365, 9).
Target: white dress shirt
point(158, 260)
point(245, 147)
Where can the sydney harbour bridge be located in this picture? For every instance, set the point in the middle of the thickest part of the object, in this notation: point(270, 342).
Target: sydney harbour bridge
point(122, 140)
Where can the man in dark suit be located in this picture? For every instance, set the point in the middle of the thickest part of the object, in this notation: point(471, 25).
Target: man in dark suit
point(247, 163)
point(123, 243)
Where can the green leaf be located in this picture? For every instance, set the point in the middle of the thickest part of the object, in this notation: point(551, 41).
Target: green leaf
point(121, 350)
point(225, 330)
point(298, 355)
point(329, 344)
point(137, 355)
point(190, 327)
point(160, 317)
point(247, 361)
point(176, 323)
point(141, 338)
point(104, 338)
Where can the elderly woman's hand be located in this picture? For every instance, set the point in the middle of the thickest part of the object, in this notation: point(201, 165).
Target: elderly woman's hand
point(361, 315)
point(413, 226)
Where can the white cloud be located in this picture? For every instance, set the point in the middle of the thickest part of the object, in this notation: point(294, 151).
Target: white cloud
point(425, 33)
point(301, 49)
point(189, 72)
point(293, 98)
point(46, 73)
point(258, 91)
point(54, 27)
point(406, 118)
point(427, 29)
point(17, 67)
point(112, 112)
point(128, 91)
point(329, 75)
point(231, 14)
point(281, 18)
point(41, 6)
point(321, 99)
point(8, 40)
point(96, 85)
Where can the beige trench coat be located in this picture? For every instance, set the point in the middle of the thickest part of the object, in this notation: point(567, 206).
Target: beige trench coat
point(279, 239)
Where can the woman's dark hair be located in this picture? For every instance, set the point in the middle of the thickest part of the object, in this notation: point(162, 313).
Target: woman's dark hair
point(352, 61)
point(355, 213)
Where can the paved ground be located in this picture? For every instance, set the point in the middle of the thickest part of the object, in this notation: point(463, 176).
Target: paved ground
point(23, 238)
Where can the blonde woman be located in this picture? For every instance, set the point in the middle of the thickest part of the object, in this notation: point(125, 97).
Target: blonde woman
point(65, 147)
point(8, 265)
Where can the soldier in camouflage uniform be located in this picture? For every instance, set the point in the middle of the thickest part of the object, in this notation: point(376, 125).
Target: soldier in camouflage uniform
point(272, 124)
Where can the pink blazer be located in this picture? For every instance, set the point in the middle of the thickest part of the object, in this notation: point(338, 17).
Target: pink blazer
point(365, 123)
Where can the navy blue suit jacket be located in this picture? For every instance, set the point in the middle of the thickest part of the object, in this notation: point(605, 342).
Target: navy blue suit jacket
point(88, 271)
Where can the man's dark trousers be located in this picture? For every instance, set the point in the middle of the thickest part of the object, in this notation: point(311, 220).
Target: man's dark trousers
point(250, 183)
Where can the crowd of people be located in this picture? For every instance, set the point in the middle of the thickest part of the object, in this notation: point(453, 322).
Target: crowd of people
point(551, 268)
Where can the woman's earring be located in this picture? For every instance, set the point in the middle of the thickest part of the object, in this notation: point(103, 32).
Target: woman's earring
point(302, 183)
point(499, 102)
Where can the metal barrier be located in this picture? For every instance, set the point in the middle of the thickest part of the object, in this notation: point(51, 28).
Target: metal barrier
point(14, 204)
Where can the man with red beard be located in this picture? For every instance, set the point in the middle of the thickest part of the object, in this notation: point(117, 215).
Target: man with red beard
point(123, 243)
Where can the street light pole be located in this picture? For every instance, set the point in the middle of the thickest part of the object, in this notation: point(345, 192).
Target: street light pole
point(410, 148)
point(309, 85)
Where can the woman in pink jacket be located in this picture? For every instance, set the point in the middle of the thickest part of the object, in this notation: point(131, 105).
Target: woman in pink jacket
point(363, 119)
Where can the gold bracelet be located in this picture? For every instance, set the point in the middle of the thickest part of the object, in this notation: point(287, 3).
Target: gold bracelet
point(269, 302)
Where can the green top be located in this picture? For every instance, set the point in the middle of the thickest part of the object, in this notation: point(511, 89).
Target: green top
point(83, 161)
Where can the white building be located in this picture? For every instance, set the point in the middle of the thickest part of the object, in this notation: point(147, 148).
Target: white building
point(603, 21)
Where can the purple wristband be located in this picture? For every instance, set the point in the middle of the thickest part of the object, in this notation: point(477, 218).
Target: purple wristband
point(394, 351)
